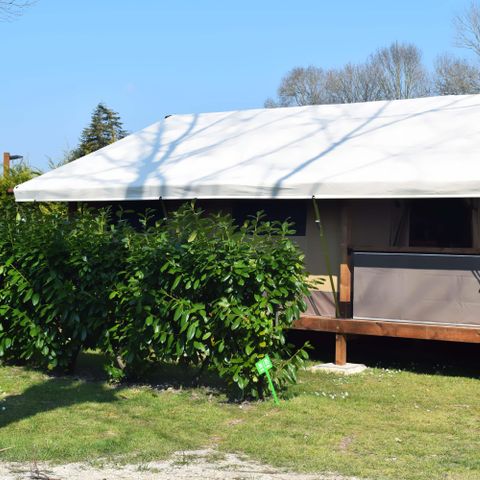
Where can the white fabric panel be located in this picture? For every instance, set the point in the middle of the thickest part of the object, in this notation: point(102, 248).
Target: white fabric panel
point(427, 147)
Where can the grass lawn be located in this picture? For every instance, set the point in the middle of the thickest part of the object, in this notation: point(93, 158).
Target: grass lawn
point(384, 423)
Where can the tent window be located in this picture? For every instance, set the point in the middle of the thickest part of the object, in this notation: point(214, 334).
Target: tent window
point(275, 210)
point(444, 223)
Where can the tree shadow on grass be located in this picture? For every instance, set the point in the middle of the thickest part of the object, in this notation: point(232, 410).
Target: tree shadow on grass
point(159, 376)
point(52, 394)
point(89, 384)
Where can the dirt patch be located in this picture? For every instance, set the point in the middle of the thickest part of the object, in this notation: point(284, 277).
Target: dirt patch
point(345, 443)
point(198, 464)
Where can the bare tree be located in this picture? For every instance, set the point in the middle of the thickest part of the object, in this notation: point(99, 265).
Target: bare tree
point(9, 9)
point(270, 103)
point(303, 86)
point(455, 76)
point(354, 83)
point(401, 72)
point(467, 26)
point(392, 72)
point(313, 86)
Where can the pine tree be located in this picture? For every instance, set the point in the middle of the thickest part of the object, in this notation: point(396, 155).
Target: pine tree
point(105, 128)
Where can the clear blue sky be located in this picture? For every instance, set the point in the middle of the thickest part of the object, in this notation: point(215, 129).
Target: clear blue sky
point(149, 58)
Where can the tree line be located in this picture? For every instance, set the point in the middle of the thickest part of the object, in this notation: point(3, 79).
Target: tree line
point(393, 72)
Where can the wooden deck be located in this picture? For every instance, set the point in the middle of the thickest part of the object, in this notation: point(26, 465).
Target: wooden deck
point(343, 327)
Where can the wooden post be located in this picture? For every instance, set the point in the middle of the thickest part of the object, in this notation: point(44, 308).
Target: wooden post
point(6, 163)
point(340, 349)
point(345, 266)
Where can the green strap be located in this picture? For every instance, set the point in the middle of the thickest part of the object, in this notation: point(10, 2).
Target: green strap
point(326, 256)
point(164, 208)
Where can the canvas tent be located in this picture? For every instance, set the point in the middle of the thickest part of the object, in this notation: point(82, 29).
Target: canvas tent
point(397, 182)
point(426, 147)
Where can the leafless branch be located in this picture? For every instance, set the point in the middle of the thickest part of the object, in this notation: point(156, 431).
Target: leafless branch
point(354, 83)
point(303, 86)
point(455, 76)
point(36, 474)
point(393, 72)
point(10, 9)
point(401, 72)
point(467, 27)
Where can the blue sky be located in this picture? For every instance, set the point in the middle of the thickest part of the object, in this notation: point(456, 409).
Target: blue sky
point(149, 58)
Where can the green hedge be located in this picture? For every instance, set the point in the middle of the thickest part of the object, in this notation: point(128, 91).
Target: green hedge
point(195, 289)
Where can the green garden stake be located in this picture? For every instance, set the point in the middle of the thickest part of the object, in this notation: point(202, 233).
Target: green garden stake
point(263, 366)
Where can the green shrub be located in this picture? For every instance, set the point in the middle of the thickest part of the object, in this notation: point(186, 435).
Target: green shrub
point(204, 291)
point(55, 278)
point(195, 289)
point(17, 174)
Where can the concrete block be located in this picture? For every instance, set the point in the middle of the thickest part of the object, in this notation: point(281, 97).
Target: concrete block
point(347, 369)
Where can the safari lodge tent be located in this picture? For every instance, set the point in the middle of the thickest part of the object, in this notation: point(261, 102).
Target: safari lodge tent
point(396, 183)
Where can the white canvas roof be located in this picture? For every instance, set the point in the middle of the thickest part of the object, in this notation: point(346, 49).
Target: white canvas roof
point(426, 147)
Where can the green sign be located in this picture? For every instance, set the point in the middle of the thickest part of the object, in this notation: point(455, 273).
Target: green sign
point(263, 366)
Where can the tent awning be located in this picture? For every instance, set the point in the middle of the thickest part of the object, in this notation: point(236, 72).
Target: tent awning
point(426, 147)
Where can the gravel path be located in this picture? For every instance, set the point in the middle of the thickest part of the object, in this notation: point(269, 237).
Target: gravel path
point(199, 464)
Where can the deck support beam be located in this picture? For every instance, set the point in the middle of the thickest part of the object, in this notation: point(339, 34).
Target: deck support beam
point(340, 349)
point(384, 328)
